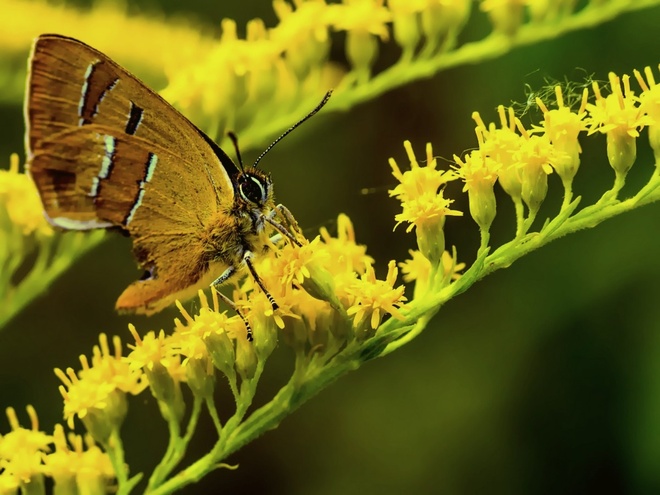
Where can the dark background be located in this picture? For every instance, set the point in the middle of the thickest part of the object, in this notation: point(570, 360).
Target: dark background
point(543, 378)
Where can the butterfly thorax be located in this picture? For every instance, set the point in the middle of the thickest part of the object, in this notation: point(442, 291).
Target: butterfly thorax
point(242, 227)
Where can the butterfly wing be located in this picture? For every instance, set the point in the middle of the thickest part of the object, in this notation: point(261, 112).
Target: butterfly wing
point(106, 151)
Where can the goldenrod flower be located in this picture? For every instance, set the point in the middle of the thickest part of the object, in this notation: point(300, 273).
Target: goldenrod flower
point(82, 397)
point(155, 356)
point(8, 482)
point(418, 180)
point(345, 253)
point(650, 105)
point(363, 21)
point(534, 159)
point(373, 298)
point(197, 363)
point(562, 126)
point(442, 20)
point(422, 199)
point(406, 23)
point(303, 36)
point(506, 15)
point(20, 198)
point(22, 450)
point(619, 117)
point(366, 16)
point(418, 269)
point(499, 147)
point(424, 210)
point(225, 338)
point(81, 468)
point(96, 394)
point(479, 175)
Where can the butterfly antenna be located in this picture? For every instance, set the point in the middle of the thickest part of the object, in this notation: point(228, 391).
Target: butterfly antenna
point(234, 140)
point(310, 114)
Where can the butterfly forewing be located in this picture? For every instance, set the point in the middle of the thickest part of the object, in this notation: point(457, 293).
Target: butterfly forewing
point(99, 141)
point(71, 85)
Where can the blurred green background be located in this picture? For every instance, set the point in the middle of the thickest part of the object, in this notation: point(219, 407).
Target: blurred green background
point(543, 378)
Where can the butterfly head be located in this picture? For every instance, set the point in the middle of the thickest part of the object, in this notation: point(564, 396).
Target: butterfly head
point(255, 188)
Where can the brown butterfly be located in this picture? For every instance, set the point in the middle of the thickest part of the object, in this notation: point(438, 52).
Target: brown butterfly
point(105, 151)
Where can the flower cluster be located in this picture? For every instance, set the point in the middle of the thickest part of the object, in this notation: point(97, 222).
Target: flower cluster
point(328, 295)
point(272, 67)
point(425, 208)
point(253, 83)
point(27, 456)
point(521, 160)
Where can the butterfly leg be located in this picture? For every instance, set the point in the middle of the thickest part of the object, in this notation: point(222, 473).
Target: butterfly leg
point(233, 306)
point(290, 221)
point(226, 275)
point(288, 216)
point(247, 259)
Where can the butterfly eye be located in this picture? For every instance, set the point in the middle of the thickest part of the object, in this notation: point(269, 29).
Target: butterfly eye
point(253, 189)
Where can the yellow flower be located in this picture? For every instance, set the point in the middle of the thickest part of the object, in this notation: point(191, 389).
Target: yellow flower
point(418, 180)
point(363, 16)
point(506, 15)
point(650, 96)
point(417, 268)
point(22, 450)
point(499, 146)
point(31, 439)
point(215, 330)
point(424, 205)
point(479, 180)
point(197, 363)
point(21, 200)
point(363, 21)
point(96, 394)
point(405, 18)
point(650, 105)
point(427, 209)
point(620, 118)
point(443, 19)
point(371, 299)
point(303, 34)
point(562, 126)
point(84, 467)
point(345, 253)
point(534, 161)
point(8, 482)
point(420, 191)
point(155, 355)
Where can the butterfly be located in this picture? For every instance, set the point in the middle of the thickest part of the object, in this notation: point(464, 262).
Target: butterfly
point(107, 152)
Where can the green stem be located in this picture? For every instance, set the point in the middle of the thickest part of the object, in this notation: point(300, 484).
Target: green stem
point(48, 267)
point(421, 67)
point(177, 445)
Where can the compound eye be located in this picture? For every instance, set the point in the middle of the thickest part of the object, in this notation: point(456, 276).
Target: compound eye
point(253, 190)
